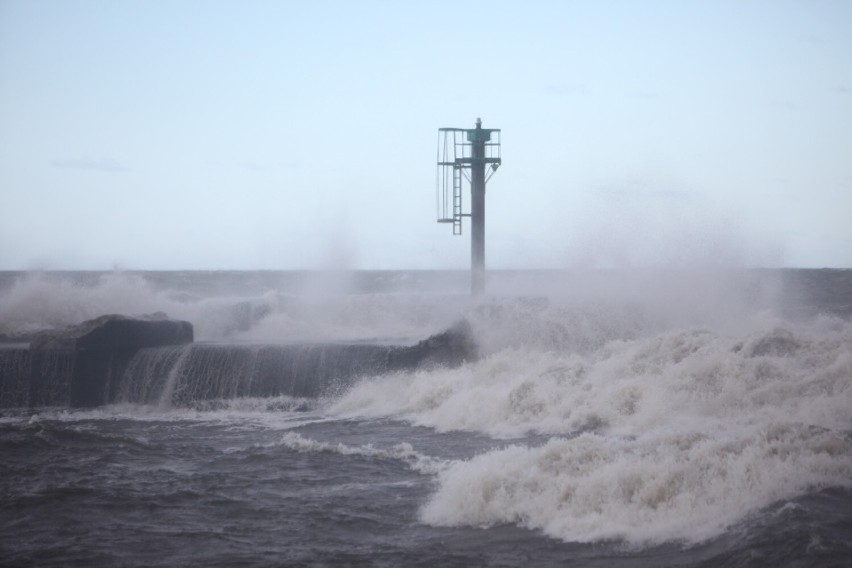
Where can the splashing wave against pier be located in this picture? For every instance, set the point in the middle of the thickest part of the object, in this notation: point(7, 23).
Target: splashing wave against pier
point(639, 420)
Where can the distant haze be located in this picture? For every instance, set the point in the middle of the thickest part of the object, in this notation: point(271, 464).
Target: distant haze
point(279, 135)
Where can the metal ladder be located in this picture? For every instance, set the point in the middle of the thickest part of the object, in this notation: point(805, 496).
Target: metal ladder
point(457, 201)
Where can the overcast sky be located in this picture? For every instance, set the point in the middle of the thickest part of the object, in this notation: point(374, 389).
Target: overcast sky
point(277, 135)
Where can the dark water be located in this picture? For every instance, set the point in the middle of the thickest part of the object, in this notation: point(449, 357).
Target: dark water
point(219, 488)
point(709, 425)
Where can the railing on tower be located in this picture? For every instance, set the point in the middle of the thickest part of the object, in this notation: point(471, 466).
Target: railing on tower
point(471, 156)
point(455, 159)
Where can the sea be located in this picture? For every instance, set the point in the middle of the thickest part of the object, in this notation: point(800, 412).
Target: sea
point(685, 417)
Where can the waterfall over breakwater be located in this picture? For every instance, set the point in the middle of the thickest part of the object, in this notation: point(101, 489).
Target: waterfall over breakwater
point(35, 378)
point(181, 375)
point(91, 365)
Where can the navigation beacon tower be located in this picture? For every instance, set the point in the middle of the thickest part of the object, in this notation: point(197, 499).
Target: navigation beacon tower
point(463, 155)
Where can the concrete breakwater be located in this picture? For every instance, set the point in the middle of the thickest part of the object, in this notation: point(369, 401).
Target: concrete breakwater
point(153, 359)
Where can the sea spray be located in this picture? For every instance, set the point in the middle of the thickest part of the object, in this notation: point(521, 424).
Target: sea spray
point(31, 302)
point(677, 378)
point(38, 301)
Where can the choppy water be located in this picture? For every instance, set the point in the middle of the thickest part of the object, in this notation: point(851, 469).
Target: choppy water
point(643, 419)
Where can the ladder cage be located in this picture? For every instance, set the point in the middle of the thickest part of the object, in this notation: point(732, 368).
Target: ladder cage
point(455, 156)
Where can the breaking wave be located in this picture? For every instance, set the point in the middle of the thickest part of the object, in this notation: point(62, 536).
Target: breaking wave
point(674, 435)
point(644, 408)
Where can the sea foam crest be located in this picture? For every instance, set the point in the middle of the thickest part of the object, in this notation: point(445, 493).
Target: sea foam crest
point(686, 487)
point(689, 378)
point(402, 451)
point(676, 435)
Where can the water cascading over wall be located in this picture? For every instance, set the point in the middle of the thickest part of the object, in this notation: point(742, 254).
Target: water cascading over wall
point(30, 378)
point(153, 361)
point(180, 375)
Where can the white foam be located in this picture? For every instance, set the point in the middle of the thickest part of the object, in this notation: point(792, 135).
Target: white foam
point(402, 451)
point(677, 379)
point(687, 431)
point(688, 486)
point(271, 413)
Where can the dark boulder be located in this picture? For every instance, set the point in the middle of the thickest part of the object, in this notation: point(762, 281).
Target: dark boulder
point(98, 352)
point(117, 332)
point(450, 348)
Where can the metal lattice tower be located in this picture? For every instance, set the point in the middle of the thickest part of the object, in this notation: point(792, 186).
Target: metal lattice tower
point(463, 155)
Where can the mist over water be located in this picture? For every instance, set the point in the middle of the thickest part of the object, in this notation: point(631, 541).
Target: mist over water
point(267, 307)
point(231, 303)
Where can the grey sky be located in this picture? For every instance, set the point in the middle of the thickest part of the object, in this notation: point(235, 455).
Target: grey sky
point(168, 135)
